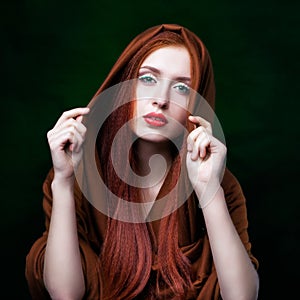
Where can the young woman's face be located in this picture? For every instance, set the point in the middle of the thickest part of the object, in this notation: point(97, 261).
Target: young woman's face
point(162, 94)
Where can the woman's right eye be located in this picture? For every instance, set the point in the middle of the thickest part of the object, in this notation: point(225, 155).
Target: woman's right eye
point(148, 79)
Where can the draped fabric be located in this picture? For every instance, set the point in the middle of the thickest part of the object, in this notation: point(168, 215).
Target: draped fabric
point(192, 236)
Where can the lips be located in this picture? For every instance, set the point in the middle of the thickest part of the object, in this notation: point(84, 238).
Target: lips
point(155, 119)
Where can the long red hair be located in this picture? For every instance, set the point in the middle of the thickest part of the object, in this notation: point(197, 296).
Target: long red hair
point(127, 252)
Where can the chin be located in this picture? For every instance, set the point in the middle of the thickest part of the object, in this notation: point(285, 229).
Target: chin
point(157, 135)
point(153, 137)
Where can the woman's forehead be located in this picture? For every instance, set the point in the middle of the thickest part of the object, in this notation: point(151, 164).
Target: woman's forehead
point(170, 62)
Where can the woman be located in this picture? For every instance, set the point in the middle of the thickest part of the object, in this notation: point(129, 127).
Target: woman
point(196, 248)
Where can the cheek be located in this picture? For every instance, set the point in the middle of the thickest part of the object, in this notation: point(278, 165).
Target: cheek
point(138, 109)
point(137, 113)
point(180, 115)
point(179, 122)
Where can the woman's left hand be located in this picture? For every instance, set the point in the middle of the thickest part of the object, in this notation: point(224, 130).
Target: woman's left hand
point(206, 155)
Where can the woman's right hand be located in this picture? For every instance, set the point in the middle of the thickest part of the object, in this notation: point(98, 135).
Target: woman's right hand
point(65, 140)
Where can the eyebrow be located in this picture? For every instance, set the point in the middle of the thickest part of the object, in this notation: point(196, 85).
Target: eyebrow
point(180, 78)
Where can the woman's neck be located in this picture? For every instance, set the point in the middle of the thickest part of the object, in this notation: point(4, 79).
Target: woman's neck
point(146, 150)
point(153, 161)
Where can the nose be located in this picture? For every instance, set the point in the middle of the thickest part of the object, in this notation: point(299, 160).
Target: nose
point(162, 103)
point(162, 99)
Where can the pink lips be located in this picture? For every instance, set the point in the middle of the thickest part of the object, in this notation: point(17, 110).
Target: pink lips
point(155, 119)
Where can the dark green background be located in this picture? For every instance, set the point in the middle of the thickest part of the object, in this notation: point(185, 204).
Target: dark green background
point(55, 55)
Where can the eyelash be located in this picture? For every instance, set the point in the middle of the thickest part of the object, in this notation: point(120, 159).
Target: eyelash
point(145, 78)
point(149, 79)
point(182, 88)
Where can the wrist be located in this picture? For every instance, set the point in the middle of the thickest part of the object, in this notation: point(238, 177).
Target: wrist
point(216, 201)
point(208, 192)
point(59, 182)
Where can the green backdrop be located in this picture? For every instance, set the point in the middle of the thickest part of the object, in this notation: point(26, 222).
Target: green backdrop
point(55, 55)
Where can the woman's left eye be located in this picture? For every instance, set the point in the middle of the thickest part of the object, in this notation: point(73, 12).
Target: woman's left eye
point(182, 88)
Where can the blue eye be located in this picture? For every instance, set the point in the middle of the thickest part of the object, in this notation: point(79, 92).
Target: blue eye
point(182, 88)
point(148, 79)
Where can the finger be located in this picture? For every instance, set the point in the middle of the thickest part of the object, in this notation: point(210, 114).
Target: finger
point(76, 142)
point(68, 140)
point(79, 118)
point(70, 123)
point(60, 138)
point(203, 147)
point(198, 121)
point(195, 150)
point(69, 126)
point(200, 146)
point(192, 137)
point(73, 113)
point(78, 125)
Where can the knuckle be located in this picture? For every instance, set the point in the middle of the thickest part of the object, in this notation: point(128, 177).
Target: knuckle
point(52, 146)
point(72, 129)
point(223, 148)
point(189, 138)
point(193, 135)
point(70, 122)
point(49, 134)
point(70, 135)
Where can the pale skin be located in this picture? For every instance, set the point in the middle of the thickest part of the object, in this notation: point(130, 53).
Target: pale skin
point(63, 275)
